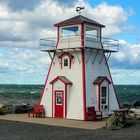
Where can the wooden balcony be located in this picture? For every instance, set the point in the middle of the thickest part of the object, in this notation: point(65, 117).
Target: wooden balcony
point(74, 43)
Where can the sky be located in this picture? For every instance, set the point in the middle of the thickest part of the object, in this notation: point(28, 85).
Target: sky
point(24, 22)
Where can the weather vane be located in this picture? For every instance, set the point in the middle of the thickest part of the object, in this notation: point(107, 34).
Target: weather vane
point(78, 9)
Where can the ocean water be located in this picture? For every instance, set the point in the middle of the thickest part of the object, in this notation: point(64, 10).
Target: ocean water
point(17, 94)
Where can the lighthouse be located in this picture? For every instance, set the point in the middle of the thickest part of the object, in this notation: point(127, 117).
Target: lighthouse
point(79, 75)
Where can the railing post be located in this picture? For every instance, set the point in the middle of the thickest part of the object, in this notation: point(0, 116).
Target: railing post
point(82, 35)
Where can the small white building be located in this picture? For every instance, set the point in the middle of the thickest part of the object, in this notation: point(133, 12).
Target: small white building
point(79, 75)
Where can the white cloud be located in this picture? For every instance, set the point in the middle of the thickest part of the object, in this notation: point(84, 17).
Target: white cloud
point(28, 25)
point(3, 64)
point(114, 17)
point(128, 56)
point(23, 29)
point(120, 56)
point(124, 76)
point(23, 61)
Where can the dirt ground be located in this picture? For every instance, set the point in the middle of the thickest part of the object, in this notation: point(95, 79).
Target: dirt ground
point(11, 130)
point(55, 121)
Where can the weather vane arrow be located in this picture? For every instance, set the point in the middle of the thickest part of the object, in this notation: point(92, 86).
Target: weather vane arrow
point(78, 9)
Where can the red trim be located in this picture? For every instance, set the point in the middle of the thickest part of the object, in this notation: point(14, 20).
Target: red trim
point(77, 22)
point(82, 35)
point(84, 85)
point(83, 71)
point(61, 62)
point(107, 80)
point(52, 101)
point(101, 80)
point(49, 67)
point(110, 73)
point(58, 33)
point(99, 97)
point(68, 23)
point(66, 54)
point(65, 101)
point(59, 78)
point(70, 63)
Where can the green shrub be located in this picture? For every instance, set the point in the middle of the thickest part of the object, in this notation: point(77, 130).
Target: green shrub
point(2, 111)
point(9, 109)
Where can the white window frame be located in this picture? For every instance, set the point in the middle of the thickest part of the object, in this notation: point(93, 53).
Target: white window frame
point(104, 106)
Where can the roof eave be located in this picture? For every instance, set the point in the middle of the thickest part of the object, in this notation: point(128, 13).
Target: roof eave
point(99, 82)
point(59, 78)
point(99, 25)
point(77, 22)
point(66, 53)
point(68, 23)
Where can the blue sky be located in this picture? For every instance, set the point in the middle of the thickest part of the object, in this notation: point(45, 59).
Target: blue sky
point(23, 23)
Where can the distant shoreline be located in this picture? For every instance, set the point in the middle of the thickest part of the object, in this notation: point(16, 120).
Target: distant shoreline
point(19, 93)
point(43, 84)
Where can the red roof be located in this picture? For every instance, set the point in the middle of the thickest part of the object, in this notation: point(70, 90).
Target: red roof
point(61, 78)
point(100, 79)
point(77, 20)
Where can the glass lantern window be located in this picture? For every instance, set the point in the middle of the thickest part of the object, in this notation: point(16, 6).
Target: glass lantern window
point(92, 32)
point(70, 31)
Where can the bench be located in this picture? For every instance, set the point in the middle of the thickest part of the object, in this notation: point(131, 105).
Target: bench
point(38, 111)
point(92, 114)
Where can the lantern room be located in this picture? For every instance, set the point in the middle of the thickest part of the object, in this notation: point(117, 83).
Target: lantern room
point(80, 29)
point(77, 32)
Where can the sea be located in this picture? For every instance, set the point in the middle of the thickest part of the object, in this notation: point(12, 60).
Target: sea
point(30, 94)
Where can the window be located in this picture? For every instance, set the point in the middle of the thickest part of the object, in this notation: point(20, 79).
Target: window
point(104, 90)
point(65, 62)
point(104, 98)
point(59, 98)
point(92, 32)
point(70, 31)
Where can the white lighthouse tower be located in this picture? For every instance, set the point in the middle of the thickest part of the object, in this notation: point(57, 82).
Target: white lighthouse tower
point(79, 75)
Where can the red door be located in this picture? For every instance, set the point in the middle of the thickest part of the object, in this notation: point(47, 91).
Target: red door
point(59, 101)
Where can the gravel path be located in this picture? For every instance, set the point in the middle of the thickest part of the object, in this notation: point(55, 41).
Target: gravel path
point(24, 131)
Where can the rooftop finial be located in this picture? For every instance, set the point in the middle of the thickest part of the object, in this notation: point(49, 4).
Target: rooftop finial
point(78, 9)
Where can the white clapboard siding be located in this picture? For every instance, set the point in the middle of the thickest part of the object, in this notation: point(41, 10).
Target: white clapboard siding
point(92, 72)
point(75, 98)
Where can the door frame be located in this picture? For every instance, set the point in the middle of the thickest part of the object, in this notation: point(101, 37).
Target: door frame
point(63, 101)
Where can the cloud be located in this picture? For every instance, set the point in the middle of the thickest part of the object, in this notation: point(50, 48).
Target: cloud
point(23, 24)
point(30, 5)
point(124, 76)
point(114, 17)
point(69, 3)
point(19, 5)
point(128, 56)
point(31, 24)
point(25, 62)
